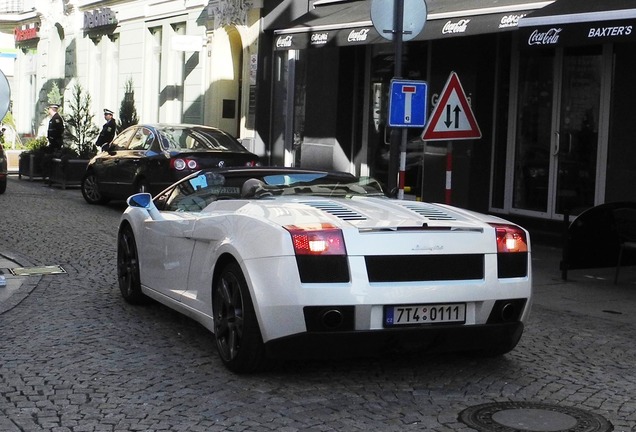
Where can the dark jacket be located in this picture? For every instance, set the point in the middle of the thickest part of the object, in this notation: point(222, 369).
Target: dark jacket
point(107, 134)
point(56, 131)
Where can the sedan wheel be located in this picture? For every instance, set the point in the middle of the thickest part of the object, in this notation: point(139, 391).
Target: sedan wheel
point(90, 190)
point(238, 337)
point(128, 267)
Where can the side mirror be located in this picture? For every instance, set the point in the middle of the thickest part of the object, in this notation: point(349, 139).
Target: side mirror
point(144, 201)
point(140, 200)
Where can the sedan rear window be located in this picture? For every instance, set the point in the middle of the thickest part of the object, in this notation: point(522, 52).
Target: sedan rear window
point(199, 139)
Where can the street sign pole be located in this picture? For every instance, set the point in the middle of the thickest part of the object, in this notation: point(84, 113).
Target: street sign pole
point(394, 30)
point(398, 136)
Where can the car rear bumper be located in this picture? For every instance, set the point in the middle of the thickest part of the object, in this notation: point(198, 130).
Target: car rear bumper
point(487, 339)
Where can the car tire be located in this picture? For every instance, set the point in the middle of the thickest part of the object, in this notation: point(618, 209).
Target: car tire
point(128, 267)
point(236, 331)
point(3, 186)
point(90, 189)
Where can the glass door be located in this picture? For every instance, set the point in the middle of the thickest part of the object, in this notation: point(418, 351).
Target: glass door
point(576, 140)
point(557, 132)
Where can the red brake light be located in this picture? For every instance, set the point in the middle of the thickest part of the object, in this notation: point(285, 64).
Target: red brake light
point(319, 239)
point(510, 238)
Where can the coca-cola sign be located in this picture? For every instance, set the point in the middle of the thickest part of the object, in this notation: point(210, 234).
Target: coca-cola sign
point(358, 35)
point(549, 37)
point(455, 27)
point(284, 41)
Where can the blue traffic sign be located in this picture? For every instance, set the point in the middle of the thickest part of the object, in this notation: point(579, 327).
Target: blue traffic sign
point(407, 103)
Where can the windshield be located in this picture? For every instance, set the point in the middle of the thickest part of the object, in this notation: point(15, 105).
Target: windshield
point(197, 192)
point(321, 184)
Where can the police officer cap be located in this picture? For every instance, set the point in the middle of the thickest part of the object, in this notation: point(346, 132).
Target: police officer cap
point(107, 111)
point(54, 106)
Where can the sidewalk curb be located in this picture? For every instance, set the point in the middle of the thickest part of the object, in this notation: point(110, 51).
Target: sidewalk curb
point(27, 285)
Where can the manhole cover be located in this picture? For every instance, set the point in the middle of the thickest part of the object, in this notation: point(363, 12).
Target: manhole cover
point(532, 417)
point(34, 271)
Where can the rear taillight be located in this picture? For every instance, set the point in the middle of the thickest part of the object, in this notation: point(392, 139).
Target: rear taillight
point(317, 239)
point(180, 164)
point(510, 238)
point(512, 251)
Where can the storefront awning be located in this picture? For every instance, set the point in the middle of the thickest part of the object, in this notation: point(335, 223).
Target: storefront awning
point(580, 22)
point(343, 23)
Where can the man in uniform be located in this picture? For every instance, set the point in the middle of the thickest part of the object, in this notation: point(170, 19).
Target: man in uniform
point(56, 128)
point(108, 130)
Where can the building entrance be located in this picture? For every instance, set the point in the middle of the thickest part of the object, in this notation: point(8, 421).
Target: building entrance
point(559, 125)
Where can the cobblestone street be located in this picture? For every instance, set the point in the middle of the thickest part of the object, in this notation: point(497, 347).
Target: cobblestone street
point(75, 357)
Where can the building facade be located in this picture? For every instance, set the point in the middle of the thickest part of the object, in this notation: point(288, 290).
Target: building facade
point(306, 83)
point(188, 61)
point(548, 83)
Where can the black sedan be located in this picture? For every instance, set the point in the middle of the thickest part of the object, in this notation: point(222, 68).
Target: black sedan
point(150, 157)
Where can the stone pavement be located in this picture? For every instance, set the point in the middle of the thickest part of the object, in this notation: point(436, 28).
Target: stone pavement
point(74, 357)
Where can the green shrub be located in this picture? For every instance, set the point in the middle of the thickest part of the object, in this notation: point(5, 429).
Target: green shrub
point(36, 144)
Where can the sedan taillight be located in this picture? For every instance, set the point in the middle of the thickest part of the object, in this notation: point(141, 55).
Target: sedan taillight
point(180, 164)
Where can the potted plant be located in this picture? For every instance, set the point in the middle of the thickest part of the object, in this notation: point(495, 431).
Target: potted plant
point(79, 137)
point(33, 160)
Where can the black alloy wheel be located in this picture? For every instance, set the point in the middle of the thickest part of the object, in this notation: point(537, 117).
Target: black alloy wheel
point(236, 331)
point(90, 190)
point(128, 267)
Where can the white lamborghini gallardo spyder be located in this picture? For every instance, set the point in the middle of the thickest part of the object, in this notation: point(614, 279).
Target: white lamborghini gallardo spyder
point(292, 263)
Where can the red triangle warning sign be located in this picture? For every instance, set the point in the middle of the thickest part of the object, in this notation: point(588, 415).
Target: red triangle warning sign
point(452, 118)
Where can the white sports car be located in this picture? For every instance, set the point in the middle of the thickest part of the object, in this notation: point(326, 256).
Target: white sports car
point(291, 263)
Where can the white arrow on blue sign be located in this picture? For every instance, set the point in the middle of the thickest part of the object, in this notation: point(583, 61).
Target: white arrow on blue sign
point(407, 103)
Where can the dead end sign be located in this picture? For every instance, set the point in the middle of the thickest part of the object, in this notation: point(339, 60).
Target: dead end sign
point(407, 103)
point(452, 118)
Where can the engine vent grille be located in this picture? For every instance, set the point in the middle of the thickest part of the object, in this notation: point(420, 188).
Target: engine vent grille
point(336, 210)
point(428, 211)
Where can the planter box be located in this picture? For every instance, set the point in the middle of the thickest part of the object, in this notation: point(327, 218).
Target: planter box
point(30, 166)
point(13, 160)
point(67, 172)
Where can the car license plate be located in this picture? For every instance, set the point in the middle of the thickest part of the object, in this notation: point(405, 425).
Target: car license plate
point(424, 314)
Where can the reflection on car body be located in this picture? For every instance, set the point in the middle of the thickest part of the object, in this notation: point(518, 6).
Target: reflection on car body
point(150, 157)
point(290, 263)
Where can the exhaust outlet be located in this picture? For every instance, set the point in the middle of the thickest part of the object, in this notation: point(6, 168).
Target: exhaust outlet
point(508, 312)
point(332, 319)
